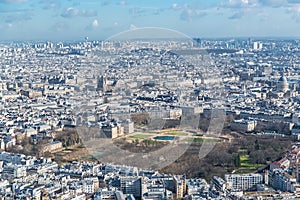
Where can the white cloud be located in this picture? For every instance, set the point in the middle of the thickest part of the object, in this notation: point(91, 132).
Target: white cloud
point(257, 3)
point(295, 12)
point(95, 24)
point(175, 6)
point(122, 3)
point(189, 12)
point(132, 27)
point(242, 7)
point(75, 12)
point(242, 3)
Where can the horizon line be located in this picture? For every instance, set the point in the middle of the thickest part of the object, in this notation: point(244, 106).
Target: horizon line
point(194, 37)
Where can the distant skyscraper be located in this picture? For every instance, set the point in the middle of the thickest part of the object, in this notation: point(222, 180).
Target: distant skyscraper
point(257, 45)
point(249, 42)
point(101, 84)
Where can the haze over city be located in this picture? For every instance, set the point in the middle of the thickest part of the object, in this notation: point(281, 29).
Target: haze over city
point(99, 19)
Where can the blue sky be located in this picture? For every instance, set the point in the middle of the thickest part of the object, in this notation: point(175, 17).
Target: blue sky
point(100, 19)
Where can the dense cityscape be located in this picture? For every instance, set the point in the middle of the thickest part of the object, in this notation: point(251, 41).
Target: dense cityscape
point(161, 96)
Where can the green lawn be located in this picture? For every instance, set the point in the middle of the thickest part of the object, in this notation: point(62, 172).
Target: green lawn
point(247, 167)
point(176, 133)
point(245, 162)
point(140, 136)
point(244, 159)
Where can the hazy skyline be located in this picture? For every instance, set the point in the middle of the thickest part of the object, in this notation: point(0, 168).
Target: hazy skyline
point(100, 19)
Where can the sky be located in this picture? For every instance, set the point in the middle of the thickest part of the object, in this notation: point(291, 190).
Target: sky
point(67, 20)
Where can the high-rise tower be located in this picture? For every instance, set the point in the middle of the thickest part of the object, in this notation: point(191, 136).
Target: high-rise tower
point(101, 84)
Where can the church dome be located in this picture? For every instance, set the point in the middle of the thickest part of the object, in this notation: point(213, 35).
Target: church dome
point(282, 79)
point(282, 84)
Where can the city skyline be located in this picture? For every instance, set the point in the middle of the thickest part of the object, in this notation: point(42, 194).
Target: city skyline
point(74, 20)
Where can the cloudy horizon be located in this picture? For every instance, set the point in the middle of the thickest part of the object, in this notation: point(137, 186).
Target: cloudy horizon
point(100, 19)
